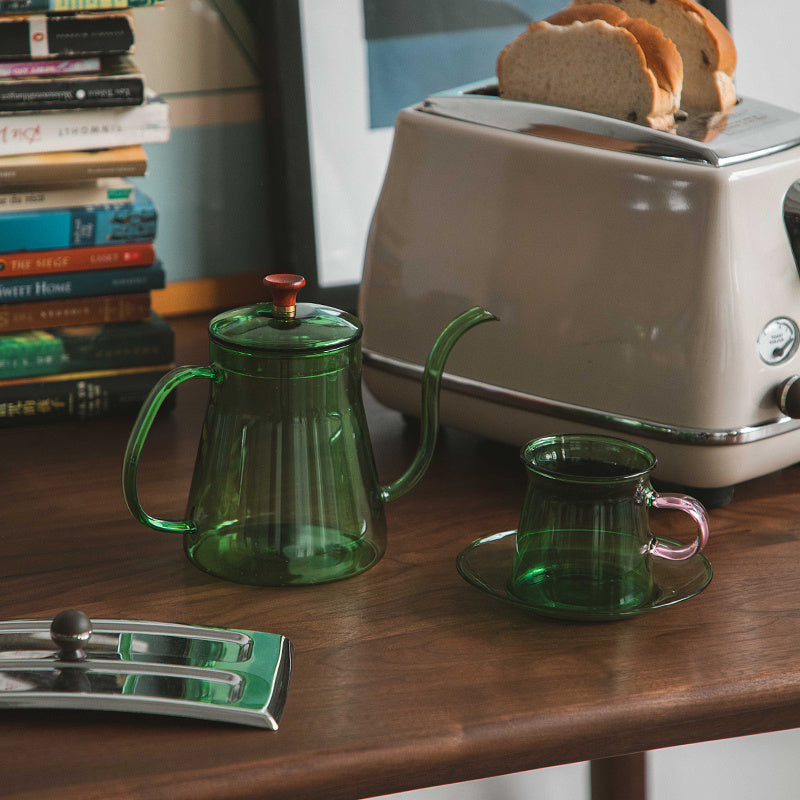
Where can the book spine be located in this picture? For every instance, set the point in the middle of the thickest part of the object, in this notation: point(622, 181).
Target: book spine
point(74, 259)
point(150, 341)
point(59, 66)
point(30, 353)
point(46, 35)
point(97, 192)
point(79, 396)
point(36, 169)
point(84, 129)
point(82, 284)
point(87, 348)
point(41, 6)
point(93, 91)
point(76, 311)
point(79, 226)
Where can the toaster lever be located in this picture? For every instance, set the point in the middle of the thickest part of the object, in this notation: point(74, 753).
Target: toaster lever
point(788, 397)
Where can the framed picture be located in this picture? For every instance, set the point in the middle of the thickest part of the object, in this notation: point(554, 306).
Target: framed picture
point(336, 72)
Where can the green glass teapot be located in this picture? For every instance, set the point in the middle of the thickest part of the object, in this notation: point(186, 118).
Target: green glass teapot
point(285, 489)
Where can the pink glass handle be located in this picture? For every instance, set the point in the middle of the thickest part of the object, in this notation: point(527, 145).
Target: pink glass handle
point(694, 508)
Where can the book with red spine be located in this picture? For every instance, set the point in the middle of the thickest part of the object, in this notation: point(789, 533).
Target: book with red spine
point(76, 259)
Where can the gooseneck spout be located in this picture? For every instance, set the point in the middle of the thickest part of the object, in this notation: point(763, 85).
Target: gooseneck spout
point(431, 384)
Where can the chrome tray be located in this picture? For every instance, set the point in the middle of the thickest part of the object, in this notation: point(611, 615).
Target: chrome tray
point(221, 674)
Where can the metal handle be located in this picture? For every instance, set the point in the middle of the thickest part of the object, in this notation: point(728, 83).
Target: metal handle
point(694, 508)
point(136, 440)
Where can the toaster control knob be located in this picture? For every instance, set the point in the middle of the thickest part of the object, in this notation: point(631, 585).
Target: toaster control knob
point(789, 397)
point(778, 341)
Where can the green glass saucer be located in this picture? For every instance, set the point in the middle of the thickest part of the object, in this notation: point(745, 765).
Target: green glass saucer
point(486, 564)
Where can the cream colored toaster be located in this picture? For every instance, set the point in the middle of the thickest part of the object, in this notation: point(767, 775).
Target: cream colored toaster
point(645, 281)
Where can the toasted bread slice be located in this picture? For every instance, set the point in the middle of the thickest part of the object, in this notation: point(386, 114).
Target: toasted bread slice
point(704, 43)
point(598, 60)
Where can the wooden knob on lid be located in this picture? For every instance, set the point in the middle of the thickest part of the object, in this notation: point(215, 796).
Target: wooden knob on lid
point(284, 288)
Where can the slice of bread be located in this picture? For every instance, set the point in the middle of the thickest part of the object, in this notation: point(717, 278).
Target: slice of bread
point(705, 45)
point(598, 60)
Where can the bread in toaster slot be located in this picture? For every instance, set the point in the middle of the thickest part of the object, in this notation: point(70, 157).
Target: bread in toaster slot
point(612, 58)
point(704, 43)
point(606, 64)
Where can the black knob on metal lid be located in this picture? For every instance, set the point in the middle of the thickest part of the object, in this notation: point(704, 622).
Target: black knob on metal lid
point(70, 631)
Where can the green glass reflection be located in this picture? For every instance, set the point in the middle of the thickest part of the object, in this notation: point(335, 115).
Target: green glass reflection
point(214, 672)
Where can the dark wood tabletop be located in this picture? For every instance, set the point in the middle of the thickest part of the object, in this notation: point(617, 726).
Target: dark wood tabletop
point(405, 676)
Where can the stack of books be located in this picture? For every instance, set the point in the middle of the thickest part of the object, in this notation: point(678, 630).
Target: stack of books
point(78, 337)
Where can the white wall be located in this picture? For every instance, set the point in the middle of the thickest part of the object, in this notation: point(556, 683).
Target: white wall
point(765, 32)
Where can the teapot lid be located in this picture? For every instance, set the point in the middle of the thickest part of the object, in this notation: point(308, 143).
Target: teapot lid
point(284, 324)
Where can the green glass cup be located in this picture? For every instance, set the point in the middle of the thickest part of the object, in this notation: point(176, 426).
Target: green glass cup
point(584, 543)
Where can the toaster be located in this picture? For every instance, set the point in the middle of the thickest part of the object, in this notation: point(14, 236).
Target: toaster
point(646, 282)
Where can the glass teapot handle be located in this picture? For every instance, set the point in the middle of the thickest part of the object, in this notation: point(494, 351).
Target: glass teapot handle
point(141, 427)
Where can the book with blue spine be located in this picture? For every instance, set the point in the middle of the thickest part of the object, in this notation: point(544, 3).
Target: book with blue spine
point(82, 284)
point(79, 226)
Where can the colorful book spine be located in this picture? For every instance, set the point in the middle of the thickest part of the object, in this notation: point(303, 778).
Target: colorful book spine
point(38, 169)
point(75, 259)
point(79, 226)
point(45, 6)
point(65, 35)
point(85, 129)
point(78, 396)
point(107, 190)
point(87, 348)
point(83, 284)
point(55, 66)
point(30, 353)
point(75, 311)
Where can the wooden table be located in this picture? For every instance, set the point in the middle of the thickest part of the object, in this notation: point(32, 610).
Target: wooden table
point(405, 676)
